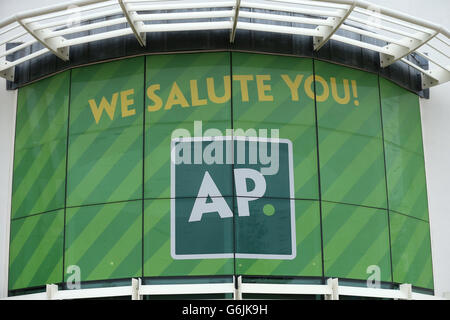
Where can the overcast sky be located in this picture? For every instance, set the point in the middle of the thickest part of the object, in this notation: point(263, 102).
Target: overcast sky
point(433, 10)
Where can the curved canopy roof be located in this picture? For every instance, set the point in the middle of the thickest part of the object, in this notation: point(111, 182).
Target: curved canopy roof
point(392, 34)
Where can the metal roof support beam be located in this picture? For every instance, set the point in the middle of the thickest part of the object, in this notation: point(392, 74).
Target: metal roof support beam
point(55, 45)
point(7, 67)
point(136, 26)
point(328, 31)
point(408, 45)
point(7, 71)
point(235, 20)
point(435, 76)
point(327, 17)
point(383, 11)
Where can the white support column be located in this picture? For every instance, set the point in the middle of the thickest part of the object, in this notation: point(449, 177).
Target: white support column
point(7, 132)
point(333, 284)
point(235, 20)
point(136, 26)
point(328, 31)
point(238, 288)
point(52, 291)
point(408, 45)
point(406, 289)
point(54, 44)
point(135, 285)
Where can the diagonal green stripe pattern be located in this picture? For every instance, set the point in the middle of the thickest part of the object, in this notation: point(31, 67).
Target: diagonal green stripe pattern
point(308, 260)
point(354, 239)
point(40, 147)
point(411, 251)
point(100, 238)
point(36, 251)
point(295, 120)
point(405, 162)
point(102, 155)
point(160, 124)
point(106, 162)
point(350, 144)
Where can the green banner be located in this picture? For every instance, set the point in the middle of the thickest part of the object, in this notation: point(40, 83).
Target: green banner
point(207, 164)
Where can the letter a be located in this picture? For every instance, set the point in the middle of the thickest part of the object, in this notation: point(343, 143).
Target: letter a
point(208, 189)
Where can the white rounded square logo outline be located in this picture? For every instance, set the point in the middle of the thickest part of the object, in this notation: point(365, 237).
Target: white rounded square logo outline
point(176, 256)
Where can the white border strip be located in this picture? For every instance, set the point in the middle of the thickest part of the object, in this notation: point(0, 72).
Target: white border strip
point(136, 290)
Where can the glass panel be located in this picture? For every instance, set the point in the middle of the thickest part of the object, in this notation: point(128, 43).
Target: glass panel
point(411, 251)
point(176, 247)
point(105, 241)
point(350, 137)
point(36, 250)
point(106, 133)
point(187, 95)
point(356, 242)
point(269, 233)
point(40, 146)
point(268, 94)
point(276, 235)
point(405, 162)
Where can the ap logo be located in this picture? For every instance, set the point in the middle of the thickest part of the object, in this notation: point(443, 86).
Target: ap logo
point(232, 197)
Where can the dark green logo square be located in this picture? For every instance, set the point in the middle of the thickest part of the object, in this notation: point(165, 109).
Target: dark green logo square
point(261, 214)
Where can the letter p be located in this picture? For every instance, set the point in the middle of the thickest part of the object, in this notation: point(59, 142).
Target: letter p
point(244, 196)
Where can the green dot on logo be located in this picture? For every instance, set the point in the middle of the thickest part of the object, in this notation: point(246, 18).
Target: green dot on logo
point(268, 210)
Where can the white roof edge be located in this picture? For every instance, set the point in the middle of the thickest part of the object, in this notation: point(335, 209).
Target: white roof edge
point(358, 3)
point(394, 51)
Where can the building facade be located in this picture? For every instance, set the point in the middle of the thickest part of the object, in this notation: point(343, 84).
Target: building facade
point(199, 159)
